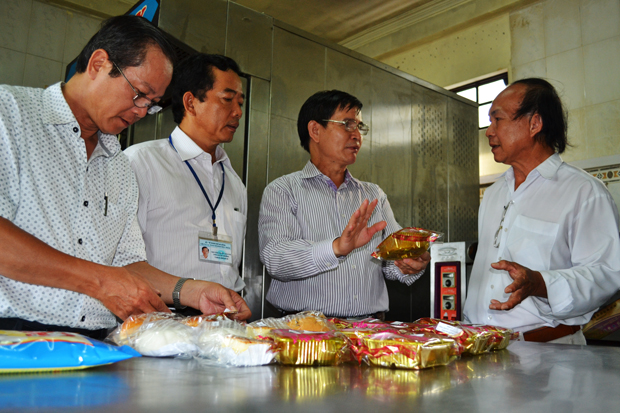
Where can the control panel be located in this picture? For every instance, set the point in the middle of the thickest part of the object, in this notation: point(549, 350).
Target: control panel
point(448, 282)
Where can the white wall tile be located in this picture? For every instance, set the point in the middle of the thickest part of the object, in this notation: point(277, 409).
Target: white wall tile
point(11, 66)
point(14, 24)
point(600, 19)
point(601, 64)
point(80, 29)
point(565, 72)
point(577, 136)
point(603, 125)
point(562, 25)
point(532, 69)
point(527, 35)
point(47, 35)
point(41, 72)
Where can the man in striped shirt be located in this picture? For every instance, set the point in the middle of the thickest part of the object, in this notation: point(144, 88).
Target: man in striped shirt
point(318, 227)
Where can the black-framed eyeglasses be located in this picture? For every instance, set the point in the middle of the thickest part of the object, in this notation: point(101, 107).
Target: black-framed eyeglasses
point(350, 125)
point(140, 100)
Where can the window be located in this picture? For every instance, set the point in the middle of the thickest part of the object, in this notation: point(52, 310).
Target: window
point(483, 92)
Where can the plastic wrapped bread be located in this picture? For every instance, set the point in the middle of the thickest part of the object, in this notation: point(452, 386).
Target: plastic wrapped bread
point(227, 344)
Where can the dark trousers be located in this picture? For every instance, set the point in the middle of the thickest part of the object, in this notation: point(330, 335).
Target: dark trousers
point(20, 324)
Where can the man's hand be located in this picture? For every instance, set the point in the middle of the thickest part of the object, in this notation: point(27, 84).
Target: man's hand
point(413, 265)
point(526, 283)
point(356, 233)
point(212, 298)
point(125, 292)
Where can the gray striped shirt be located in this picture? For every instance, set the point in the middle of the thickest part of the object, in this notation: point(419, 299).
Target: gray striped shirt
point(300, 216)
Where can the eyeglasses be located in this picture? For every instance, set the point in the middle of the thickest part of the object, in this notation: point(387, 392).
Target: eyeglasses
point(140, 100)
point(350, 125)
point(501, 225)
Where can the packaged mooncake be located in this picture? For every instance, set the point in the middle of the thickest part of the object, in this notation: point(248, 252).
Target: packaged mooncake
point(409, 351)
point(474, 339)
point(304, 321)
point(227, 344)
point(408, 242)
point(306, 348)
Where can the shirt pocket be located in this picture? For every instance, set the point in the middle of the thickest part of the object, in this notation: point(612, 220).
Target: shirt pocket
point(531, 241)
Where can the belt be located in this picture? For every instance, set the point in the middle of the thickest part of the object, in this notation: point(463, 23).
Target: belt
point(545, 334)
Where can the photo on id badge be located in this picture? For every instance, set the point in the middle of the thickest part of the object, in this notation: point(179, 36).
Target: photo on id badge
point(214, 248)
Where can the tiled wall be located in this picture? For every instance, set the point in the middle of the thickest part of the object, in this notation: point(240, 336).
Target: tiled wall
point(37, 41)
point(576, 45)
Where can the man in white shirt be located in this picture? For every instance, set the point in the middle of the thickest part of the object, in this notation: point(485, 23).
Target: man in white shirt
point(549, 252)
point(191, 199)
point(73, 258)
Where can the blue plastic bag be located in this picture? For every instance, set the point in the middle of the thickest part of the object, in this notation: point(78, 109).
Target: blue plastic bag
point(32, 351)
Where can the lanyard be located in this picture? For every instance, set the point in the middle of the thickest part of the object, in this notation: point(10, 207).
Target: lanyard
point(219, 198)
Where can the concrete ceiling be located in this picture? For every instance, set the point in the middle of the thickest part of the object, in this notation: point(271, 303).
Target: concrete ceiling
point(334, 20)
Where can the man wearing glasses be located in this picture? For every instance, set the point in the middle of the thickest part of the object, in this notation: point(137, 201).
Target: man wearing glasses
point(318, 226)
point(549, 253)
point(73, 258)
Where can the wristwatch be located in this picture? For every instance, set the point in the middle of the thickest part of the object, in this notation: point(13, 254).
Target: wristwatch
point(176, 293)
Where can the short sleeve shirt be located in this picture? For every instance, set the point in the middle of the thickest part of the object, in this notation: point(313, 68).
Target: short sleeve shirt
point(83, 207)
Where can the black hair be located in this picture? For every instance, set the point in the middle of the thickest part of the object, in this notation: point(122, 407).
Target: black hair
point(195, 74)
point(320, 106)
point(541, 97)
point(126, 40)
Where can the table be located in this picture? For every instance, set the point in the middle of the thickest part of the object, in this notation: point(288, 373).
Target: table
point(527, 377)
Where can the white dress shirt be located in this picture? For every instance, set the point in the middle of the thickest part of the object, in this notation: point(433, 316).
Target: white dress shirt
point(300, 216)
point(172, 209)
point(51, 190)
point(561, 222)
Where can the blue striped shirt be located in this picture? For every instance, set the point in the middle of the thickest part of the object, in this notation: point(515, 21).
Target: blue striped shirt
point(300, 216)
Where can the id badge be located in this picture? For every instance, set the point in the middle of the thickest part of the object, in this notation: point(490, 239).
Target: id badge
point(215, 248)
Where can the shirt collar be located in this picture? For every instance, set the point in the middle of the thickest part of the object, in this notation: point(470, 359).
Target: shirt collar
point(311, 171)
point(188, 149)
point(56, 111)
point(547, 169)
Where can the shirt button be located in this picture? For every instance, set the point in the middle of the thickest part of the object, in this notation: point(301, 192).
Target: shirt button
point(505, 229)
point(492, 286)
point(489, 317)
point(85, 203)
point(75, 129)
point(353, 266)
point(80, 241)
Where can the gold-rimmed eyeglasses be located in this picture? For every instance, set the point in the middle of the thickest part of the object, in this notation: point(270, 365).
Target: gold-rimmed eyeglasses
point(350, 125)
point(140, 100)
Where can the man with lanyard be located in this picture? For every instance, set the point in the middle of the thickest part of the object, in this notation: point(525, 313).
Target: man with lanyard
point(549, 252)
point(191, 199)
point(313, 233)
point(73, 258)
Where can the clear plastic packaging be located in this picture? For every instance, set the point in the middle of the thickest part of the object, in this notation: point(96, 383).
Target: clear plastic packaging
point(157, 335)
point(408, 242)
point(228, 344)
